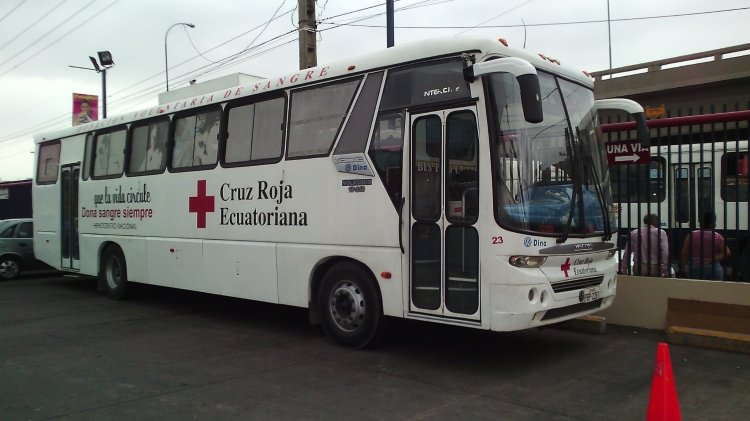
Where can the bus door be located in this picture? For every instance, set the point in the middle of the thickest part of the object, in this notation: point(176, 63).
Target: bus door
point(693, 194)
point(444, 208)
point(69, 216)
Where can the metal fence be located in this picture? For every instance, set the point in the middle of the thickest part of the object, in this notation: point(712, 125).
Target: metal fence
point(694, 180)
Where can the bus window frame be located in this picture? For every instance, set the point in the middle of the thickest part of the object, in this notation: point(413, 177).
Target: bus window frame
point(95, 138)
point(39, 158)
point(359, 78)
point(171, 142)
point(252, 100)
point(129, 145)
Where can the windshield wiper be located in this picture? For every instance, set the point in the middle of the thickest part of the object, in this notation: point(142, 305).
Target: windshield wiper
point(599, 192)
point(574, 197)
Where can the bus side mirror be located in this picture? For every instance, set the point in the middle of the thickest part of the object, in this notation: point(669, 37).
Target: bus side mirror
point(635, 109)
point(531, 98)
point(525, 73)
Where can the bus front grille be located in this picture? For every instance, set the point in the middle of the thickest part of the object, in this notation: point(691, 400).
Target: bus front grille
point(574, 284)
point(576, 308)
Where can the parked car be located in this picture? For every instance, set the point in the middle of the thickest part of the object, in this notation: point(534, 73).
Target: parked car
point(17, 247)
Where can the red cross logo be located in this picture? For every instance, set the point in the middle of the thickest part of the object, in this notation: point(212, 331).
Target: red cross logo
point(201, 204)
point(565, 267)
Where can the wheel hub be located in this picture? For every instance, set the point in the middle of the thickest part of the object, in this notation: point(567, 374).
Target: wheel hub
point(113, 273)
point(8, 269)
point(347, 305)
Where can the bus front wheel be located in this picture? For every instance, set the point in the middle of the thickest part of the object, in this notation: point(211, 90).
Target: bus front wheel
point(114, 274)
point(350, 306)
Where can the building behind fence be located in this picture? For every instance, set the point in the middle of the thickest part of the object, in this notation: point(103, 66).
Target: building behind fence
point(15, 199)
point(697, 164)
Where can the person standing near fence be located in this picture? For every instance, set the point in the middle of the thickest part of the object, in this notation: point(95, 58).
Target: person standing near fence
point(649, 247)
point(703, 251)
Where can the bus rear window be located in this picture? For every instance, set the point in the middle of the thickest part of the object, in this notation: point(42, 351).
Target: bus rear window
point(49, 160)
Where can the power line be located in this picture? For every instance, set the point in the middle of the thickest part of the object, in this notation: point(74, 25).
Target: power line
point(495, 17)
point(12, 10)
point(359, 19)
point(149, 90)
point(233, 59)
point(58, 39)
point(546, 24)
point(194, 57)
point(267, 23)
point(26, 28)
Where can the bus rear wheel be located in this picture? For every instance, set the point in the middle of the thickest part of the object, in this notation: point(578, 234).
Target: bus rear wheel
point(113, 277)
point(350, 306)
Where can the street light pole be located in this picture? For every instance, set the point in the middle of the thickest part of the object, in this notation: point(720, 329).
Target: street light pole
point(166, 60)
point(105, 58)
point(104, 92)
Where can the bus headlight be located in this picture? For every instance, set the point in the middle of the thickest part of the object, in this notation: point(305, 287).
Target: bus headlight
point(527, 261)
point(611, 253)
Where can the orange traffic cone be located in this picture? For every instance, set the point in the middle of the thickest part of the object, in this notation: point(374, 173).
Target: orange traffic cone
point(662, 403)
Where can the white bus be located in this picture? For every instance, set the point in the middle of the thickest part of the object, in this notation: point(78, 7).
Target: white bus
point(681, 183)
point(412, 182)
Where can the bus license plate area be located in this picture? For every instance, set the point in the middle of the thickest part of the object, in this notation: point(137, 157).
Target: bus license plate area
point(588, 294)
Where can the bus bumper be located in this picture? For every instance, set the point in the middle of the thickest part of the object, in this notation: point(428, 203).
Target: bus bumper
point(517, 307)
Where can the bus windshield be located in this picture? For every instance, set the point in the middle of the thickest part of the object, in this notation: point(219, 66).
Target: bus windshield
point(551, 178)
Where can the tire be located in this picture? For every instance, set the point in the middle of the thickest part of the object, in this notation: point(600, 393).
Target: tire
point(10, 268)
point(350, 306)
point(113, 276)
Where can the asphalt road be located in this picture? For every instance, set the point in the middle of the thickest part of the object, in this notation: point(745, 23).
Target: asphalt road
point(66, 352)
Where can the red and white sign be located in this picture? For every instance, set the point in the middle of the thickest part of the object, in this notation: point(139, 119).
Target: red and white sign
point(626, 153)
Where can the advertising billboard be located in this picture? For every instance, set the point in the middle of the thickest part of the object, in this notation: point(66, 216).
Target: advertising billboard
point(85, 108)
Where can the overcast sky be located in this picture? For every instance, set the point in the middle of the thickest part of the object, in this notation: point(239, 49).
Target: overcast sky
point(40, 39)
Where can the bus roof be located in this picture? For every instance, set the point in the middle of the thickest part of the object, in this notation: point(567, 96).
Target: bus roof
point(412, 52)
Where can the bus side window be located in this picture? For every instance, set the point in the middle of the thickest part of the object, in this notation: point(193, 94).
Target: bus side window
point(255, 132)
point(87, 157)
point(184, 137)
point(734, 180)
point(101, 161)
point(354, 136)
point(196, 140)
point(117, 152)
point(316, 116)
point(386, 152)
point(138, 140)
point(148, 147)
point(110, 153)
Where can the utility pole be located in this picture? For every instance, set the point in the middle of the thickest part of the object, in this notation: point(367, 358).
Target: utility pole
point(308, 53)
point(389, 22)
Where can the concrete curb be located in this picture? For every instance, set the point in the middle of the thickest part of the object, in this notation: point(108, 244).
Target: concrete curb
point(713, 339)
